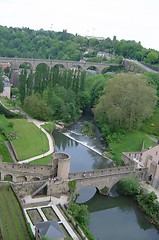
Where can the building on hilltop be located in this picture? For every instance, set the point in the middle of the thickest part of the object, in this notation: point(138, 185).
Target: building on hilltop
point(98, 38)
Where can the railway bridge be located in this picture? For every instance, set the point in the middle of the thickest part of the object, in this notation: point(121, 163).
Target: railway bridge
point(16, 62)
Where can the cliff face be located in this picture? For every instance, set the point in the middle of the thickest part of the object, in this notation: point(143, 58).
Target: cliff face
point(132, 67)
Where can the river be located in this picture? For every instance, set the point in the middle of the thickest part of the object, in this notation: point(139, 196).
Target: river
point(111, 217)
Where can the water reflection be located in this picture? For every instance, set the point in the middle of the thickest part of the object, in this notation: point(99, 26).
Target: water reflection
point(112, 218)
point(118, 218)
point(82, 158)
point(85, 194)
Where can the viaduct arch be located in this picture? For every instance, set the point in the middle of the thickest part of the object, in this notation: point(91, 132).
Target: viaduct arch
point(16, 62)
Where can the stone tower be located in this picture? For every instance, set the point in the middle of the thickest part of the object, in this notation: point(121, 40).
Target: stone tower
point(63, 165)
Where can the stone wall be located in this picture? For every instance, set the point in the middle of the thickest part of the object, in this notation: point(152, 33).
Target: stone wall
point(133, 67)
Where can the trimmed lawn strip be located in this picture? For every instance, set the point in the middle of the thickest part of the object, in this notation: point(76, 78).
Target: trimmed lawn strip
point(20, 216)
point(50, 213)
point(11, 218)
point(30, 141)
point(5, 153)
point(5, 124)
point(42, 161)
point(7, 130)
point(130, 142)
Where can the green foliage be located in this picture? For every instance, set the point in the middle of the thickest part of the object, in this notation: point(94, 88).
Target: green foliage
point(151, 125)
point(129, 186)
point(128, 100)
point(72, 186)
point(53, 93)
point(80, 213)
point(14, 91)
point(36, 107)
point(44, 238)
point(24, 42)
point(88, 129)
point(49, 127)
point(129, 49)
point(153, 79)
point(87, 232)
point(148, 202)
point(152, 57)
point(127, 142)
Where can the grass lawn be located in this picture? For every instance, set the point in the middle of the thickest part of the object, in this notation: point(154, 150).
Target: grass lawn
point(12, 222)
point(130, 142)
point(4, 123)
point(10, 104)
point(4, 152)
point(42, 161)
point(151, 126)
point(30, 141)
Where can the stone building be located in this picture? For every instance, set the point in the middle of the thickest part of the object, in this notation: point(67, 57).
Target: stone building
point(147, 158)
point(7, 88)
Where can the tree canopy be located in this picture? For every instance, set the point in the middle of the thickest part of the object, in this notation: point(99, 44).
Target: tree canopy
point(29, 43)
point(127, 101)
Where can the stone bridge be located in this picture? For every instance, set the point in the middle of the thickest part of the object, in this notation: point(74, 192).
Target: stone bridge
point(102, 179)
point(105, 179)
point(54, 178)
point(16, 62)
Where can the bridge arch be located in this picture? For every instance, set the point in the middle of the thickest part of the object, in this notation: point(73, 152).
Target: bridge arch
point(21, 179)
point(26, 65)
point(8, 177)
point(84, 194)
point(42, 65)
point(105, 69)
point(92, 69)
point(35, 179)
point(59, 66)
point(79, 67)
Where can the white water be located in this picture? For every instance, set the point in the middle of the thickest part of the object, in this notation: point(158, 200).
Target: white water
point(84, 143)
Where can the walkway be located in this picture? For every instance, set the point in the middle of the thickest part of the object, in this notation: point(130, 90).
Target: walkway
point(53, 202)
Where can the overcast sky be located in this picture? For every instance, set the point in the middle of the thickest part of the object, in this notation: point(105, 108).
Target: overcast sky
point(126, 19)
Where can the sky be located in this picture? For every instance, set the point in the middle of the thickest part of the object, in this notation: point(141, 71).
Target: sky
point(126, 19)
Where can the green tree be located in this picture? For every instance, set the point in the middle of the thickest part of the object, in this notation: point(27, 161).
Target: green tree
point(30, 83)
point(36, 107)
point(22, 85)
point(152, 57)
point(127, 101)
point(129, 186)
point(153, 78)
point(80, 213)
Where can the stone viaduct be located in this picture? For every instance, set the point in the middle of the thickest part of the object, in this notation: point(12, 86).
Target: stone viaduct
point(53, 179)
point(16, 62)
